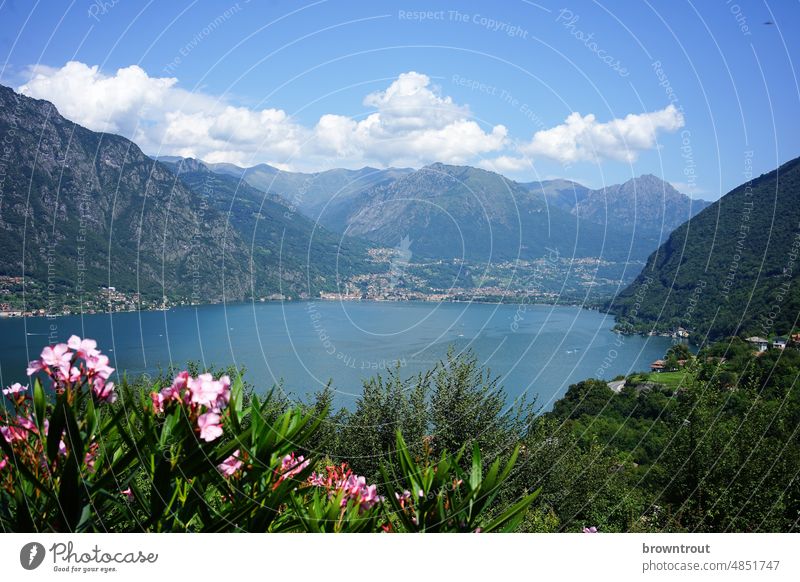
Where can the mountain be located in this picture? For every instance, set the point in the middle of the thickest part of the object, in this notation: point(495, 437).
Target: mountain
point(647, 202)
point(459, 211)
point(81, 210)
point(564, 194)
point(307, 253)
point(310, 193)
point(732, 269)
point(622, 222)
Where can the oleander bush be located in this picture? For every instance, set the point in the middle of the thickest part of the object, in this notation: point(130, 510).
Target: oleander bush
point(202, 454)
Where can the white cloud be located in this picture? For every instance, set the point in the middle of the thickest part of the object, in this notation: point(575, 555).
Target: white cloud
point(101, 103)
point(506, 164)
point(583, 138)
point(409, 123)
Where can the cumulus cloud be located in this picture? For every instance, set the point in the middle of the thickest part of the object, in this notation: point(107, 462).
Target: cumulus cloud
point(506, 164)
point(101, 103)
point(411, 123)
point(583, 138)
point(408, 123)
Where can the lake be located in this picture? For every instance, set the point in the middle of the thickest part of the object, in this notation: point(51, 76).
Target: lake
point(536, 349)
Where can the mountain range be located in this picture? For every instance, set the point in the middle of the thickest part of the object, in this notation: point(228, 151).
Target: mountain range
point(464, 212)
point(732, 269)
point(83, 210)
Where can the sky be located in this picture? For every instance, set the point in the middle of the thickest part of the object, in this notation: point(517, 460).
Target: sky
point(697, 93)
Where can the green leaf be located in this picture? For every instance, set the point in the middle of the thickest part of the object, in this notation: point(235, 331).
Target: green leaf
point(160, 493)
point(91, 419)
point(56, 429)
point(39, 404)
point(510, 518)
point(476, 476)
point(73, 434)
point(69, 496)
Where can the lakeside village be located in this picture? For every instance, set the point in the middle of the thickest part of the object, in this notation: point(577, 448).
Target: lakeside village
point(105, 300)
point(393, 277)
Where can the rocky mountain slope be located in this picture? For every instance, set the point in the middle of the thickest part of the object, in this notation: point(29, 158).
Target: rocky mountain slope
point(81, 210)
point(460, 211)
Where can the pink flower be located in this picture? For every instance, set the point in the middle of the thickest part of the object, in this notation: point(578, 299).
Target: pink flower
point(317, 479)
point(26, 423)
point(231, 465)
point(103, 391)
point(86, 348)
point(208, 392)
point(33, 367)
point(98, 366)
point(128, 494)
point(369, 496)
point(342, 480)
point(179, 382)
point(404, 498)
point(20, 432)
point(57, 358)
point(8, 434)
point(74, 375)
point(170, 393)
point(592, 529)
point(158, 402)
point(14, 389)
point(208, 424)
point(3, 463)
point(291, 466)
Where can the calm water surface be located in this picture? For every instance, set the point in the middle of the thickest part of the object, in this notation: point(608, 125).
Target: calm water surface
point(539, 350)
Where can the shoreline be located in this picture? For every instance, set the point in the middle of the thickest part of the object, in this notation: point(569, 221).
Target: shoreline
point(5, 316)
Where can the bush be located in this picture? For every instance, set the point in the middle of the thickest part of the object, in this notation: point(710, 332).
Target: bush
point(200, 455)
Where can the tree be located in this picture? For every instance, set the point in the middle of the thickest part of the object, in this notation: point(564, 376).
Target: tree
point(679, 351)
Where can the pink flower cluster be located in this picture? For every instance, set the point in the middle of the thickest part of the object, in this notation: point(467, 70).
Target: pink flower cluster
point(291, 466)
point(204, 397)
point(17, 432)
point(14, 390)
point(338, 479)
point(74, 364)
point(232, 465)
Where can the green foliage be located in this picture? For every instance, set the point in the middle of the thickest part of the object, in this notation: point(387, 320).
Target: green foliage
point(705, 455)
point(716, 451)
point(143, 464)
point(727, 271)
point(439, 496)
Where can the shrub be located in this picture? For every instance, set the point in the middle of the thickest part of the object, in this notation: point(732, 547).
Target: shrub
point(198, 455)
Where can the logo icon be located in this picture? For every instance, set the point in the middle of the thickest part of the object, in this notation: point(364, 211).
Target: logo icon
point(31, 555)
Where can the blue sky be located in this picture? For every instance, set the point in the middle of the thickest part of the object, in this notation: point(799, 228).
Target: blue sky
point(588, 91)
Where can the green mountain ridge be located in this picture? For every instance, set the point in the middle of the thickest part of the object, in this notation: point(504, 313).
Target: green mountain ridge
point(729, 270)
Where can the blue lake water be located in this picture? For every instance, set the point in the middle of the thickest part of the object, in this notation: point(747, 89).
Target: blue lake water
point(536, 349)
